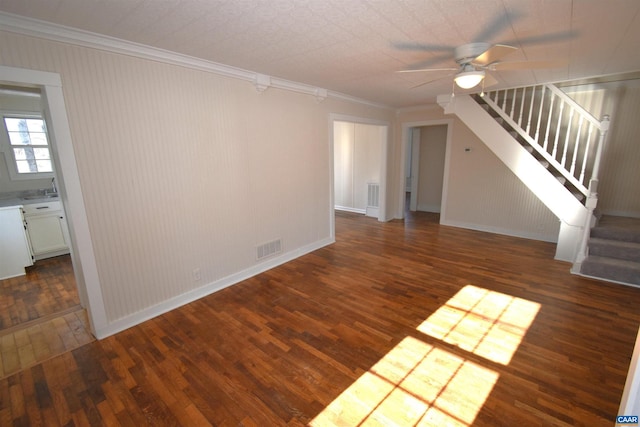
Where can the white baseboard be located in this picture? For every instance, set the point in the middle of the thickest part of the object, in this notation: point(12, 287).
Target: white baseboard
point(499, 230)
point(51, 254)
point(180, 300)
point(348, 209)
point(429, 208)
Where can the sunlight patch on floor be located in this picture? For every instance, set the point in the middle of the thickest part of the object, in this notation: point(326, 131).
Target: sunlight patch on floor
point(414, 384)
point(420, 384)
point(487, 323)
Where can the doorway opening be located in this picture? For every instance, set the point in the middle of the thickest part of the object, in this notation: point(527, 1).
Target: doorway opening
point(41, 313)
point(80, 263)
point(28, 179)
point(358, 162)
point(424, 167)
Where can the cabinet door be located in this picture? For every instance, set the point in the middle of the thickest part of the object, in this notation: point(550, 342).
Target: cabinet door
point(14, 249)
point(45, 233)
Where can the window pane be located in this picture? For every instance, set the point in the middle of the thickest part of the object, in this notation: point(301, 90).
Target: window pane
point(25, 166)
point(41, 153)
point(19, 138)
point(15, 125)
point(35, 125)
point(20, 153)
point(38, 138)
point(44, 166)
point(28, 138)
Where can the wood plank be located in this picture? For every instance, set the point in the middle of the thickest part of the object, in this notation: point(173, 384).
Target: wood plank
point(24, 347)
point(47, 289)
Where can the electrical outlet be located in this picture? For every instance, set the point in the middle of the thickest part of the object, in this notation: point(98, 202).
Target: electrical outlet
point(196, 274)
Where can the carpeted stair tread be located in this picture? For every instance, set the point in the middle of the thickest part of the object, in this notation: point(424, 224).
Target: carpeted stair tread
point(617, 228)
point(612, 269)
point(614, 249)
point(615, 233)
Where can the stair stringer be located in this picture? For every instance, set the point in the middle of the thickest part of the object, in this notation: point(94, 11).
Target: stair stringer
point(571, 213)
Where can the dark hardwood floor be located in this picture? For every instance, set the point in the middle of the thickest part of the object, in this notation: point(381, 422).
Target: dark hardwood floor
point(47, 289)
point(406, 322)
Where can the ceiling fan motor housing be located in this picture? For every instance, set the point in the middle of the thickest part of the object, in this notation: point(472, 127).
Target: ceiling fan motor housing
point(468, 52)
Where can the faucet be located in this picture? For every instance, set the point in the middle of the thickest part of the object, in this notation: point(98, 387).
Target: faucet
point(53, 186)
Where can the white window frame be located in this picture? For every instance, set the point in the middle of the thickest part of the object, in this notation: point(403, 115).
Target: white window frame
point(7, 150)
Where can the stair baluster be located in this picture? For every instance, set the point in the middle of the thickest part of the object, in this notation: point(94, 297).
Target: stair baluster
point(586, 153)
point(576, 146)
point(555, 142)
point(533, 96)
point(566, 140)
point(546, 136)
point(524, 91)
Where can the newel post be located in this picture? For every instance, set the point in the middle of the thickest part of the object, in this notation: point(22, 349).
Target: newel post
point(604, 129)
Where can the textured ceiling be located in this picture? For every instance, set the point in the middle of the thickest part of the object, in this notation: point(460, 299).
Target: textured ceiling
point(353, 46)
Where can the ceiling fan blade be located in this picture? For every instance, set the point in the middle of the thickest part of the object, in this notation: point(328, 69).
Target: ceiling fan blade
point(526, 65)
point(426, 70)
point(489, 80)
point(545, 38)
point(493, 54)
point(422, 46)
point(431, 81)
point(431, 61)
point(498, 24)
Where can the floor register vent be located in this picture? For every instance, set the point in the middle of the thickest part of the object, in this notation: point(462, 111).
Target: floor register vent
point(269, 248)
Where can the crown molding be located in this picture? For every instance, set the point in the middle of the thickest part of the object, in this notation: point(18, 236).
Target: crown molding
point(59, 33)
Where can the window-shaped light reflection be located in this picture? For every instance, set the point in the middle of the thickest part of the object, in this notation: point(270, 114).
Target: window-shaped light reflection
point(414, 384)
point(420, 384)
point(487, 323)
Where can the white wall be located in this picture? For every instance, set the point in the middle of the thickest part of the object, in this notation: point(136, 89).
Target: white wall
point(183, 169)
point(357, 161)
point(480, 191)
point(343, 141)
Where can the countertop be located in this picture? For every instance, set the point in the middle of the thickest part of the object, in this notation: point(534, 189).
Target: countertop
point(17, 200)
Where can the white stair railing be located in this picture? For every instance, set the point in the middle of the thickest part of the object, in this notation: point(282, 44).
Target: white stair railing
point(561, 132)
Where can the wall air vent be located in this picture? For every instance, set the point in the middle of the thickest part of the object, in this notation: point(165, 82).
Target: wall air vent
point(268, 249)
point(373, 199)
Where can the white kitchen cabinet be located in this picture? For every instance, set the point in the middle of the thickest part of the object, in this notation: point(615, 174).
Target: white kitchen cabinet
point(14, 247)
point(47, 229)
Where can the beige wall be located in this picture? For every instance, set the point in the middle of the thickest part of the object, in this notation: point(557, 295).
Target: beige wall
point(433, 142)
point(183, 169)
point(619, 189)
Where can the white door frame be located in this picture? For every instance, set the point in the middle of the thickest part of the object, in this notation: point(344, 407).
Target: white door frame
point(82, 255)
point(382, 213)
point(406, 144)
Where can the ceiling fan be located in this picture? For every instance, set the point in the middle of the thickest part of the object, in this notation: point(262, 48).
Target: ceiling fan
point(475, 59)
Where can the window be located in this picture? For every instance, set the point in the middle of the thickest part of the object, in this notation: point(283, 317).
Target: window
point(28, 145)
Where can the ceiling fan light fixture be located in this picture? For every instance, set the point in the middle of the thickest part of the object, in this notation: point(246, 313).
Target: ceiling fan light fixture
point(469, 79)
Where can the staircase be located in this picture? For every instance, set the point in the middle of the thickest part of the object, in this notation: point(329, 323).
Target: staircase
point(614, 251)
point(554, 146)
